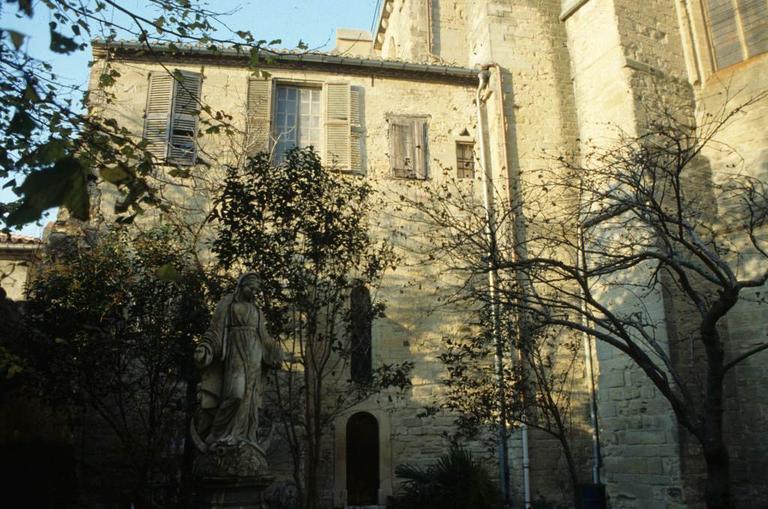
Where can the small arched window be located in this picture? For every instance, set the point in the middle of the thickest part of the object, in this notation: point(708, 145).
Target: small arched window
point(361, 312)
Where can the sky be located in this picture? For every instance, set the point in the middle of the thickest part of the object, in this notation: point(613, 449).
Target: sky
point(312, 21)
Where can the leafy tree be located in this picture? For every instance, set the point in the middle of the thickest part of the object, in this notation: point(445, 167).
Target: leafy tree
point(120, 315)
point(587, 244)
point(304, 230)
point(53, 146)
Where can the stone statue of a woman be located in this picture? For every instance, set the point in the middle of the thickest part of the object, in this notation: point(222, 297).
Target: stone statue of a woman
point(234, 356)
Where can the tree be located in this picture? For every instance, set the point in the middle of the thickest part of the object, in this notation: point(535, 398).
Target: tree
point(539, 389)
point(304, 229)
point(52, 141)
point(592, 242)
point(119, 317)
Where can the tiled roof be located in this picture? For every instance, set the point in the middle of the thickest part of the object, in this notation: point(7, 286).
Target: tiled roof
point(14, 238)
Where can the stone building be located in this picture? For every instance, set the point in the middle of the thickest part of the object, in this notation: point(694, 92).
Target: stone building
point(410, 101)
point(19, 255)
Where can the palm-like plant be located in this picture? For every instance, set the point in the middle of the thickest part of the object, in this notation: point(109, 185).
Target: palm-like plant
point(455, 481)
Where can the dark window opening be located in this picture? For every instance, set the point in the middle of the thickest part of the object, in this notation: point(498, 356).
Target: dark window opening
point(360, 334)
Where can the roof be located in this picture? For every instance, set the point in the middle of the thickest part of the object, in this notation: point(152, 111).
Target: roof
point(13, 238)
point(228, 55)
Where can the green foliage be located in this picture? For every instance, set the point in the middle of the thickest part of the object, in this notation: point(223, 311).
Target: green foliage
point(119, 345)
point(455, 481)
point(49, 136)
point(304, 230)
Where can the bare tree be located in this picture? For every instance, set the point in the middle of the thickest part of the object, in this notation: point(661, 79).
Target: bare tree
point(588, 245)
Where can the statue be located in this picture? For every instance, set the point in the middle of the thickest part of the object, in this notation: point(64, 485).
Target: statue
point(234, 356)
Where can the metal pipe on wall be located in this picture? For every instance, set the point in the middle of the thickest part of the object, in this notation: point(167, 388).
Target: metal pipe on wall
point(493, 288)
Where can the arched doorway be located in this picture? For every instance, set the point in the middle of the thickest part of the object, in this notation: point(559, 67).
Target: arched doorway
point(362, 460)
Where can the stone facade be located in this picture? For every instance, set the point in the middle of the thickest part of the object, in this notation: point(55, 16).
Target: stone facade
point(560, 75)
point(18, 257)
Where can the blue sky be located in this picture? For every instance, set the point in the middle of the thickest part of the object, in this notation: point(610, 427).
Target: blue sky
point(312, 21)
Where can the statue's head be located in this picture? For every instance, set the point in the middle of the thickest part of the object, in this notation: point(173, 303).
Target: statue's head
point(248, 287)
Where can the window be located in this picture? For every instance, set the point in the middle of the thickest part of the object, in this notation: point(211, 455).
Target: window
point(738, 29)
point(171, 116)
point(361, 320)
point(465, 159)
point(331, 119)
point(297, 119)
point(408, 152)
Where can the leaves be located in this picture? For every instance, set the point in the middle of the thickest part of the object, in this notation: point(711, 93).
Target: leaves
point(17, 38)
point(63, 184)
point(61, 43)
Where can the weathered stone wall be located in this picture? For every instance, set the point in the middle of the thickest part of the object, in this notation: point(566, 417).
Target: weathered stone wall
point(741, 147)
point(619, 70)
point(415, 324)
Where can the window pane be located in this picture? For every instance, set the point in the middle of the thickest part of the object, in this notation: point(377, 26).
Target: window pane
point(754, 19)
point(724, 32)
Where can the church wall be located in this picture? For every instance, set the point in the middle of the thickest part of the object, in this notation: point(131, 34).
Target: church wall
point(618, 70)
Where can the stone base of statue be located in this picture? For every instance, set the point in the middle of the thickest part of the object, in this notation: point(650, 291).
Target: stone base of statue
point(232, 476)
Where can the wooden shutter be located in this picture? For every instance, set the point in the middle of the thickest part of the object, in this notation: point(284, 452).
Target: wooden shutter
point(186, 113)
point(357, 129)
point(754, 21)
point(401, 147)
point(724, 32)
point(258, 115)
point(421, 152)
point(157, 116)
point(337, 125)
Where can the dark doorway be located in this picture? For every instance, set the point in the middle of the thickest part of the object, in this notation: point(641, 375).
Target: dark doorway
point(362, 460)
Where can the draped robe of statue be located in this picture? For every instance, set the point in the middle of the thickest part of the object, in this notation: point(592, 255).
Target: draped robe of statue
point(238, 351)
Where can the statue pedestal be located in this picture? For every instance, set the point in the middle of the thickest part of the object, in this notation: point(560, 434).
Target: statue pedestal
point(233, 493)
point(232, 476)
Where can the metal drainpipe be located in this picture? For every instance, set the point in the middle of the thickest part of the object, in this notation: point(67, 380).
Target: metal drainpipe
point(519, 253)
point(503, 451)
point(596, 456)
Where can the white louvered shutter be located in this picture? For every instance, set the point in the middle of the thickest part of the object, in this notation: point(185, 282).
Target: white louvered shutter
point(258, 115)
point(157, 117)
point(357, 129)
point(337, 125)
point(184, 122)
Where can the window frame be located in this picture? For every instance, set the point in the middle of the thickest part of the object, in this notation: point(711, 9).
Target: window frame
point(469, 143)
point(698, 46)
point(273, 137)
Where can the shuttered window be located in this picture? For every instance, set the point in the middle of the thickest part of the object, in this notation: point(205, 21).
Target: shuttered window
point(738, 29)
point(258, 120)
point(171, 116)
point(408, 151)
point(331, 119)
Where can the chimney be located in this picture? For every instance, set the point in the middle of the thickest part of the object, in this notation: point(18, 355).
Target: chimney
point(353, 43)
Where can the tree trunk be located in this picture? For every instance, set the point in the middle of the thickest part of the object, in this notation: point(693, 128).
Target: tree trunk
point(718, 487)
